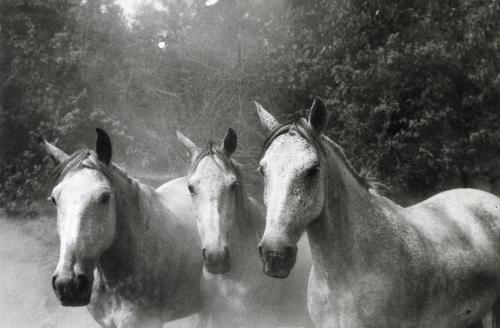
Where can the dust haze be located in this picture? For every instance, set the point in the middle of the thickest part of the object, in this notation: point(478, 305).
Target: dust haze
point(142, 101)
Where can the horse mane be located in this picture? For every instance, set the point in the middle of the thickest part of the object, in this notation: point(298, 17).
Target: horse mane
point(216, 152)
point(365, 178)
point(86, 158)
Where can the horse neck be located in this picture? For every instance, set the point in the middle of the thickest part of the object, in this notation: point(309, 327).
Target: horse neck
point(350, 216)
point(141, 225)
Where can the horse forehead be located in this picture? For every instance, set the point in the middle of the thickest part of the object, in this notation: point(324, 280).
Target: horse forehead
point(212, 168)
point(83, 181)
point(292, 150)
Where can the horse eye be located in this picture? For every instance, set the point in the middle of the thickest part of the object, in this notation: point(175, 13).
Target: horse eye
point(312, 171)
point(105, 199)
point(52, 199)
point(191, 190)
point(233, 186)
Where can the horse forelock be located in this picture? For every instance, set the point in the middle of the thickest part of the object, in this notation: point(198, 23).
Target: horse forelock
point(216, 152)
point(321, 143)
point(86, 158)
point(72, 163)
point(302, 127)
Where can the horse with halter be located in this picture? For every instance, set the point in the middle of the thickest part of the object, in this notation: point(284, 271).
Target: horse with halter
point(375, 263)
point(124, 250)
point(230, 223)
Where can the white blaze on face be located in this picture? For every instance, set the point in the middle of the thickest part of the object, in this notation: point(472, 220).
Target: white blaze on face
point(212, 187)
point(293, 191)
point(86, 217)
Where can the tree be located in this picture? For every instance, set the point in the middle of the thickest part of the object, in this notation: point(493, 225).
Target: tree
point(53, 55)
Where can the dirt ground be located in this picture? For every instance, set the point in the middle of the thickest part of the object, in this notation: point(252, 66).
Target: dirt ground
point(28, 257)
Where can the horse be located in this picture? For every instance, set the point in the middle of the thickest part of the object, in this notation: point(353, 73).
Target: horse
point(375, 263)
point(123, 251)
point(235, 291)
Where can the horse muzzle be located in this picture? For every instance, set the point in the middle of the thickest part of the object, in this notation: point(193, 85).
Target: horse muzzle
point(217, 261)
point(278, 262)
point(73, 290)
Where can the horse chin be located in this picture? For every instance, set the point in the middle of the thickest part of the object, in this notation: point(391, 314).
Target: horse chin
point(74, 300)
point(218, 268)
point(272, 271)
point(76, 303)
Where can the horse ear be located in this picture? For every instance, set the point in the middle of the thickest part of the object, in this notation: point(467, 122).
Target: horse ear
point(190, 146)
point(230, 142)
point(103, 146)
point(56, 154)
point(318, 116)
point(266, 119)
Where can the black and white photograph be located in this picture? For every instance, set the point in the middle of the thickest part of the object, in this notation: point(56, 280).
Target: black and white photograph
point(249, 164)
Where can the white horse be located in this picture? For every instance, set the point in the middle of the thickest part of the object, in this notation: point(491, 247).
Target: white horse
point(235, 291)
point(124, 251)
point(376, 264)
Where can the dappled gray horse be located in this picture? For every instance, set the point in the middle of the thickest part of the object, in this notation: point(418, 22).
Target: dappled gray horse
point(235, 291)
point(376, 264)
point(124, 251)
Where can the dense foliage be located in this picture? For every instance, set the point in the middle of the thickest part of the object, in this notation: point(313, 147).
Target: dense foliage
point(56, 57)
point(413, 86)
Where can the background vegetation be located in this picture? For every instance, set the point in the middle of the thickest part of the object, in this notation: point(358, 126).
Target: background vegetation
point(413, 86)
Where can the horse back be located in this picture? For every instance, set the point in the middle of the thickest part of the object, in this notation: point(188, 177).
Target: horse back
point(462, 218)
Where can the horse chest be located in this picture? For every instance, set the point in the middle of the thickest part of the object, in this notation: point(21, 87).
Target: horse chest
point(358, 300)
point(233, 301)
point(129, 305)
point(119, 314)
point(222, 293)
point(111, 310)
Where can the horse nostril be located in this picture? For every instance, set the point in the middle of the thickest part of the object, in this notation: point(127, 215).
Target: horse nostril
point(82, 281)
point(204, 253)
point(226, 252)
point(260, 251)
point(289, 251)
